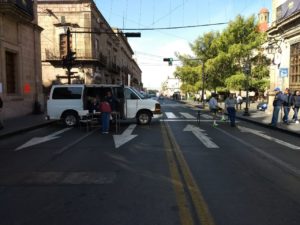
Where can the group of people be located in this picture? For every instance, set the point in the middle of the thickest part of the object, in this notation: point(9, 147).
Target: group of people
point(285, 101)
point(230, 104)
point(105, 105)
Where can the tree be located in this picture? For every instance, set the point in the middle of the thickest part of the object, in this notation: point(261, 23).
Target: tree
point(224, 56)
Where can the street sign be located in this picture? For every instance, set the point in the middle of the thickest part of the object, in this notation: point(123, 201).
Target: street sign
point(283, 72)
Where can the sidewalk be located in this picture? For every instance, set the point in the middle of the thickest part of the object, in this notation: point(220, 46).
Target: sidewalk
point(259, 117)
point(22, 124)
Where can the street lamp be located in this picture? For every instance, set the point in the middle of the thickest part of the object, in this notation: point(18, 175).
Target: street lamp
point(247, 71)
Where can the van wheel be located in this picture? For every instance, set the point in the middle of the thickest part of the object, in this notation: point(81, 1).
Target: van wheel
point(143, 118)
point(70, 119)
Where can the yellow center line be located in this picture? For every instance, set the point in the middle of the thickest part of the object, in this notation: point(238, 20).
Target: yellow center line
point(177, 162)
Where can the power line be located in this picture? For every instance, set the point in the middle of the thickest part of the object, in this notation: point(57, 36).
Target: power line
point(179, 27)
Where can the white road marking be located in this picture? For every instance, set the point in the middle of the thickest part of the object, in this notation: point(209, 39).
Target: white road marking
point(263, 135)
point(206, 116)
point(199, 133)
point(187, 115)
point(170, 115)
point(278, 161)
point(39, 140)
point(125, 136)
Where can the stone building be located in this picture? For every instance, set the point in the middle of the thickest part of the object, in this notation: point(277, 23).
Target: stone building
point(103, 54)
point(20, 58)
point(284, 41)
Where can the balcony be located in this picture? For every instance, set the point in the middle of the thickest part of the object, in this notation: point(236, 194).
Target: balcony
point(19, 9)
point(83, 56)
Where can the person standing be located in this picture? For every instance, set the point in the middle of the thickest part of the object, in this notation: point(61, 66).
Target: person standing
point(214, 107)
point(277, 104)
point(296, 104)
point(230, 103)
point(105, 110)
point(239, 101)
point(111, 100)
point(288, 102)
point(1, 112)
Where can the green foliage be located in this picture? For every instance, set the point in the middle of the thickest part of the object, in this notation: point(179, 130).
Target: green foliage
point(235, 82)
point(223, 56)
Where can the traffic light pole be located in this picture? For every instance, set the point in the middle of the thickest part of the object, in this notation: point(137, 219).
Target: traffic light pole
point(69, 66)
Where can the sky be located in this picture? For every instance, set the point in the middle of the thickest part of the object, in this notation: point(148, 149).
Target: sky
point(154, 45)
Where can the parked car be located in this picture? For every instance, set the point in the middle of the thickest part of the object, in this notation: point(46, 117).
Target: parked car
point(262, 106)
point(66, 101)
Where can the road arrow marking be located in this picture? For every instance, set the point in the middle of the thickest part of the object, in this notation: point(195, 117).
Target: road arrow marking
point(199, 133)
point(39, 140)
point(263, 135)
point(125, 136)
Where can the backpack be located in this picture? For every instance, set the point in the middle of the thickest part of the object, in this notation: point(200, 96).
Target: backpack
point(105, 107)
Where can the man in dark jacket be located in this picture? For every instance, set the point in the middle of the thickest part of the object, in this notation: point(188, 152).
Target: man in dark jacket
point(288, 102)
point(277, 104)
point(296, 104)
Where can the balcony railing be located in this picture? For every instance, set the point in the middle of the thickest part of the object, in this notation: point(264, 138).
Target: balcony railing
point(81, 55)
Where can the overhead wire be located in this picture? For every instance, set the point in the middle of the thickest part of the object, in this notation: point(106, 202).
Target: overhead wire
point(178, 27)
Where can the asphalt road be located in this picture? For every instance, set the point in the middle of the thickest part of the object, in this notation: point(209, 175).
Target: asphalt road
point(175, 171)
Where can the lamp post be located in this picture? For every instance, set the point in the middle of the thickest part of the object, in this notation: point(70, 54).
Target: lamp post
point(247, 71)
point(203, 83)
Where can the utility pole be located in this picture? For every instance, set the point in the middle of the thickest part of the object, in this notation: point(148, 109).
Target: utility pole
point(203, 83)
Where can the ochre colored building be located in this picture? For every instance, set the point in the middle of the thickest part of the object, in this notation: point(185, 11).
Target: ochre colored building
point(20, 58)
point(103, 54)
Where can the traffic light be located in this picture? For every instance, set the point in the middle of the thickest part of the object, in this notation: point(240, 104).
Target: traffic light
point(72, 56)
point(169, 60)
point(63, 48)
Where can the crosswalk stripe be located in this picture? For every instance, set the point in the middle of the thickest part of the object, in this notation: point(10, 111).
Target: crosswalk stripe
point(187, 115)
point(170, 115)
point(206, 116)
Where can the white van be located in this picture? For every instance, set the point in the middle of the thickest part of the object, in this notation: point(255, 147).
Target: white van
point(66, 101)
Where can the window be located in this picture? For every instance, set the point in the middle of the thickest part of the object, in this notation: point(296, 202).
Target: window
point(295, 66)
point(11, 77)
point(67, 93)
point(130, 95)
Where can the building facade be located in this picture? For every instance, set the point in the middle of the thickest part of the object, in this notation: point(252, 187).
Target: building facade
point(284, 40)
point(103, 54)
point(20, 58)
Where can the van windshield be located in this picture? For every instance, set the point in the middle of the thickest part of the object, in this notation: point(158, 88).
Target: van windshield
point(137, 93)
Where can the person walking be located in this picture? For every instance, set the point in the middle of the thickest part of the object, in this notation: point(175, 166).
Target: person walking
point(277, 104)
point(296, 106)
point(288, 102)
point(230, 103)
point(1, 112)
point(214, 107)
